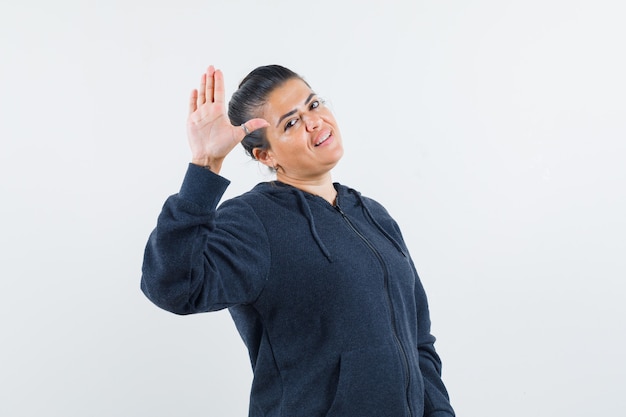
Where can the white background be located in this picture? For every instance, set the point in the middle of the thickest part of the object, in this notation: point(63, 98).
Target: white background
point(493, 131)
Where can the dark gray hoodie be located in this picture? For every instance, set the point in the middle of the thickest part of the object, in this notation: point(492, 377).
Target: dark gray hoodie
point(326, 298)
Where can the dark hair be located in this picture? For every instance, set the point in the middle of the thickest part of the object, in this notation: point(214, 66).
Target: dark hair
point(251, 95)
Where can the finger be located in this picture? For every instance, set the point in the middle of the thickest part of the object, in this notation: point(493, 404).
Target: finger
point(193, 99)
point(201, 91)
point(210, 82)
point(218, 89)
point(252, 125)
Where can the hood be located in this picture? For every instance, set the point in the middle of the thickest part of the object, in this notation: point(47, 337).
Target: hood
point(346, 198)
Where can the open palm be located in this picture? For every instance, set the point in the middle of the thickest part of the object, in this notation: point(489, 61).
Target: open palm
point(209, 131)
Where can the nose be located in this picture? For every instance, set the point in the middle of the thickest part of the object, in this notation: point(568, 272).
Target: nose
point(312, 122)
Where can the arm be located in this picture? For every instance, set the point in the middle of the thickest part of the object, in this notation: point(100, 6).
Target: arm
point(202, 259)
point(436, 399)
point(192, 261)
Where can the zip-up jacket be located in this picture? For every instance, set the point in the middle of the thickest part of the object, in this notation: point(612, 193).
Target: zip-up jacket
point(325, 297)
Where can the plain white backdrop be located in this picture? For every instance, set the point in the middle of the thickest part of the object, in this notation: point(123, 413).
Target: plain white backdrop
point(493, 131)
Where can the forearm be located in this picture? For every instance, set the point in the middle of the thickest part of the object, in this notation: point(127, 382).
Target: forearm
point(436, 399)
point(201, 259)
point(174, 247)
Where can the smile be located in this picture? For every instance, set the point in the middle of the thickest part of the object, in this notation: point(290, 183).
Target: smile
point(322, 139)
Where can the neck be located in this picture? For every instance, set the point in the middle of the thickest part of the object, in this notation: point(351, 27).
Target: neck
point(322, 186)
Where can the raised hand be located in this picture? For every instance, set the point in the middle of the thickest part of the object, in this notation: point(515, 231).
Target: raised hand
point(210, 134)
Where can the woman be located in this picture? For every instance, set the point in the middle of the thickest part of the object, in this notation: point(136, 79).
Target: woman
point(317, 277)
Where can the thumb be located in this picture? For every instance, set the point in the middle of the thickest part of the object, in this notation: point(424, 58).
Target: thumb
point(254, 124)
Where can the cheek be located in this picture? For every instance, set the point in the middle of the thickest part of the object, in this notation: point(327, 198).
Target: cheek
point(329, 118)
point(282, 146)
point(275, 137)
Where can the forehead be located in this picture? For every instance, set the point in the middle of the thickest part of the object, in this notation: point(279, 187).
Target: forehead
point(285, 98)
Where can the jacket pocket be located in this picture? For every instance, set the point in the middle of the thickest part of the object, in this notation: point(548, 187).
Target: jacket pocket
point(372, 382)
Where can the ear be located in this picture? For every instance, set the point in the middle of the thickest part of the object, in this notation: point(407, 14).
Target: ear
point(264, 156)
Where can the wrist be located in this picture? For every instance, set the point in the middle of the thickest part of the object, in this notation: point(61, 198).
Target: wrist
point(212, 164)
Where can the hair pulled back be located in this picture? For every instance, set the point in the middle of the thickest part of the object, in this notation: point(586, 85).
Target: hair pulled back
point(252, 93)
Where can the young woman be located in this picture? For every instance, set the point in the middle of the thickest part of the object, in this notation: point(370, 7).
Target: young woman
point(316, 276)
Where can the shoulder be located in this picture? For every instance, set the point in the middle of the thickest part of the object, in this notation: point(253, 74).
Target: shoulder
point(378, 212)
point(256, 205)
point(253, 198)
point(373, 205)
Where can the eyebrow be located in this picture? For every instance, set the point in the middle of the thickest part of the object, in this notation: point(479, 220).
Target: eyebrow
point(295, 110)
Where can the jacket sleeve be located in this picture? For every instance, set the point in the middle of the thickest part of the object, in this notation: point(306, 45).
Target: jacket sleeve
point(436, 399)
point(199, 258)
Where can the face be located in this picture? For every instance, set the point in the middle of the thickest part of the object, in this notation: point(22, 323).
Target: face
point(303, 135)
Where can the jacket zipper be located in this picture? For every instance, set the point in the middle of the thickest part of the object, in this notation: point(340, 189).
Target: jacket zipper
point(405, 361)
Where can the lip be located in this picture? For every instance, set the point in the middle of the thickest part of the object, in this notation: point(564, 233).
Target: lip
point(327, 134)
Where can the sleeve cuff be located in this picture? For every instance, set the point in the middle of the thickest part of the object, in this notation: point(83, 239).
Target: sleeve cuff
point(203, 187)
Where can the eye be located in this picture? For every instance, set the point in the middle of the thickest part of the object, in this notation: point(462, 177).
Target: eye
point(319, 102)
point(291, 123)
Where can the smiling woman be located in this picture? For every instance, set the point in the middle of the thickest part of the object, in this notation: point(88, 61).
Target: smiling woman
point(302, 142)
point(317, 277)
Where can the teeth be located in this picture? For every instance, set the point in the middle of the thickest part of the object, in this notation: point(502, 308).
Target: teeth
point(323, 139)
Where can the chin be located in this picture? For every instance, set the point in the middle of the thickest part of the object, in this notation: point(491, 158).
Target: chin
point(336, 160)
point(339, 154)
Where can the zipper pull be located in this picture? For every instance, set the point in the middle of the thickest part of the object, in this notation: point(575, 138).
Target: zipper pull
point(340, 210)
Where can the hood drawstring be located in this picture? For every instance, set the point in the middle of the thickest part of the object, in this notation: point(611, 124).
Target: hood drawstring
point(306, 209)
point(383, 231)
